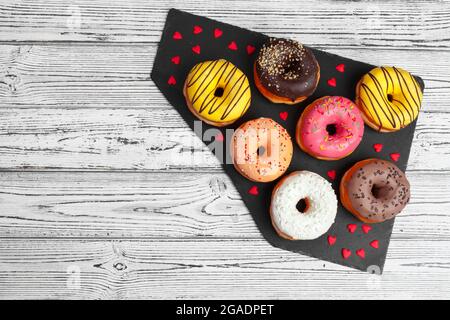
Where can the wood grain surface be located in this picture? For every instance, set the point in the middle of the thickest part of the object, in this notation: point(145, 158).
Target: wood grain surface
point(105, 192)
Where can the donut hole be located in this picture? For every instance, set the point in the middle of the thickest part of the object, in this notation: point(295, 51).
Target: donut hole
point(218, 92)
point(303, 205)
point(390, 97)
point(331, 129)
point(379, 191)
point(260, 151)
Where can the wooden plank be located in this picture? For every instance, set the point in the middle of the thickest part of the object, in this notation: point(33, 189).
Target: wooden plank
point(139, 139)
point(114, 76)
point(170, 205)
point(237, 269)
point(393, 24)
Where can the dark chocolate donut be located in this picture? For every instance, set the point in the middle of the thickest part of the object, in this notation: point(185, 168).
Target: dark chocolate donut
point(374, 190)
point(287, 69)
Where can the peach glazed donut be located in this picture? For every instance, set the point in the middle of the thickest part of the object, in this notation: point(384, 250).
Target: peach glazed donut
point(286, 71)
point(261, 150)
point(330, 128)
point(217, 92)
point(389, 97)
point(309, 221)
point(374, 190)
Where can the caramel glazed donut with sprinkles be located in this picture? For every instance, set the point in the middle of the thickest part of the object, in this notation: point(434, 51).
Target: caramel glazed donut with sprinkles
point(261, 150)
point(374, 190)
point(217, 92)
point(286, 71)
point(389, 98)
point(320, 206)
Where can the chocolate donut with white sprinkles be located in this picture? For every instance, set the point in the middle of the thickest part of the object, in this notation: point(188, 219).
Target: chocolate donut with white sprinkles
point(286, 71)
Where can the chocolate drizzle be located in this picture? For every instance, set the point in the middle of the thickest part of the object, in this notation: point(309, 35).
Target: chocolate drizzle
point(235, 86)
point(288, 69)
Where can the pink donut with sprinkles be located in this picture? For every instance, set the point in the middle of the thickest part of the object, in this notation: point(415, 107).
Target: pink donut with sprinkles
point(330, 128)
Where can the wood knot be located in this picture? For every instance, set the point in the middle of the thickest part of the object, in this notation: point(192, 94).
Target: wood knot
point(11, 79)
point(120, 266)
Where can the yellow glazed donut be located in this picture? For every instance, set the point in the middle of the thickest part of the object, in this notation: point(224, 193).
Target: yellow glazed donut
point(217, 92)
point(389, 98)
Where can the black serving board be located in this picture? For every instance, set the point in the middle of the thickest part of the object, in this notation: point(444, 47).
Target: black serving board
point(192, 39)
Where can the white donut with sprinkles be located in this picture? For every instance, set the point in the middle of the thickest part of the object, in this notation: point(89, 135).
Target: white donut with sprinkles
point(316, 199)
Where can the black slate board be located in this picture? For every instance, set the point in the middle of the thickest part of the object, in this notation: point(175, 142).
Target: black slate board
point(212, 47)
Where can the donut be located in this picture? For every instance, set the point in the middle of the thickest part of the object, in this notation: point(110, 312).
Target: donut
point(330, 128)
point(319, 206)
point(261, 150)
point(374, 190)
point(389, 98)
point(217, 92)
point(286, 71)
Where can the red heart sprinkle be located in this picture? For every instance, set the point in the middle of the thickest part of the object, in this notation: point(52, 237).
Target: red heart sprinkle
point(219, 137)
point(361, 253)
point(217, 33)
point(253, 191)
point(332, 174)
point(331, 240)
point(377, 147)
point(197, 29)
point(395, 156)
point(232, 45)
point(351, 227)
point(177, 36)
point(283, 115)
point(176, 60)
point(365, 228)
point(374, 244)
point(332, 82)
point(250, 49)
point(172, 81)
point(340, 67)
point(346, 253)
point(196, 49)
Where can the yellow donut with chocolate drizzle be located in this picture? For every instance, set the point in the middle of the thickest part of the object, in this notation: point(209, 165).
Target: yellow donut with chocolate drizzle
point(217, 92)
point(389, 98)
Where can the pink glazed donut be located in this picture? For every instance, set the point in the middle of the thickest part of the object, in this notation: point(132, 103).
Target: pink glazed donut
point(330, 128)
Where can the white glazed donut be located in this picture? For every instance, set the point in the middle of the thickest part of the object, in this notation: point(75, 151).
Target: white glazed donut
point(320, 211)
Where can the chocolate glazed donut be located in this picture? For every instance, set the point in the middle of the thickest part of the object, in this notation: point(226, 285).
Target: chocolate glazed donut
point(286, 71)
point(374, 190)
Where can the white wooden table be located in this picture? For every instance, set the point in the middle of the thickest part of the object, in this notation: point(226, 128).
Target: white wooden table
point(99, 197)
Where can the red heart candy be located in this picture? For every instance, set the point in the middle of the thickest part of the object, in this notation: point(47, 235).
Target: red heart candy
point(283, 115)
point(361, 253)
point(351, 227)
point(331, 240)
point(340, 67)
point(332, 174)
point(232, 45)
point(219, 137)
point(377, 147)
point(250, 49)
point(172, 81)
point(177, 36)
point(395, 156)
point(346, 253)
point(332, 82)
point(197, 29)
point(176, 60)
point(375, 244)
point(365, 228)
point(253, 191)
point(196, 49)
point(217, 33)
